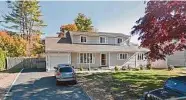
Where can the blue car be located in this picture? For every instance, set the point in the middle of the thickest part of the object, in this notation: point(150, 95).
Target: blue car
point(173, 89)
point(65, 73)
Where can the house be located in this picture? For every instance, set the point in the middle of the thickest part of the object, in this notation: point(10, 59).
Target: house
point(177, 59)
point(94, 50)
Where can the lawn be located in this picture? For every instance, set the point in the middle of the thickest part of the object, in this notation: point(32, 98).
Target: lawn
point(125, 85)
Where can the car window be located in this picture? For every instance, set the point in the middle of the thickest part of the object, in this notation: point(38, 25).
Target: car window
point(176, 85)
point(66, 69)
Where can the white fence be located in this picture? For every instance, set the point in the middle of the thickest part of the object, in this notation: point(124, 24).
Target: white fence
point(25, 62)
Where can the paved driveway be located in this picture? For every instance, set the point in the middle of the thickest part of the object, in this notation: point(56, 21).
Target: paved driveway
point(34, 84)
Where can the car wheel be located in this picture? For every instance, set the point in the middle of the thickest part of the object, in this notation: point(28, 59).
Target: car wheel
point(57, 82)
point(75, 82)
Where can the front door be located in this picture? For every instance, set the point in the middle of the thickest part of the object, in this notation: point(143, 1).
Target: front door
point(103, 59)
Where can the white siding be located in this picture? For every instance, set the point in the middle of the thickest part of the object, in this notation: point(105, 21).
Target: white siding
point(177, 59)
point(131, 60)
point(159, 64)
point(95, 39)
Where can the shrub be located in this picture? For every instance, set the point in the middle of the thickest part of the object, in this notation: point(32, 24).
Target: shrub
point(116, 68)
point(129, 67)
point(149, 66)
point(124, 68)
point(141, 67)
point(2, 59)
point(170, 67)
point(81, 68)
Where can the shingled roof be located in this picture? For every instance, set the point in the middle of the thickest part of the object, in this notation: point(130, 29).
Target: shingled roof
point(53, 45)
point(99, 34)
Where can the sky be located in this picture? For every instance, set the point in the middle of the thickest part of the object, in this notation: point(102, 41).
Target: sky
point(107, 16)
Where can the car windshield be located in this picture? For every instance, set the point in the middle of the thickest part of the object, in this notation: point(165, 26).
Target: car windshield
point(66, 69)
point(176, 85)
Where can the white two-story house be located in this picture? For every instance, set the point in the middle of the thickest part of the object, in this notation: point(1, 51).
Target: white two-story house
point(94, 50)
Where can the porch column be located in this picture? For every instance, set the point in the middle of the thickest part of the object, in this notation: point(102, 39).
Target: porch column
point(109, 59)
point(136, 59)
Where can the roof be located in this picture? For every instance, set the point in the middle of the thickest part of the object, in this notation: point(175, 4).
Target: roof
point(66, 39)
point(53, 45)
point(100, 34)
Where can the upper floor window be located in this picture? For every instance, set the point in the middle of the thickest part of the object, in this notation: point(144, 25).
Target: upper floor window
point(140, 56)
point(83, 39)
point(123, 56)
point(102, 39)
point(119, 40)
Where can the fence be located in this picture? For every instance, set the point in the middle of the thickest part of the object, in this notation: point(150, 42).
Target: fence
point(25, 62)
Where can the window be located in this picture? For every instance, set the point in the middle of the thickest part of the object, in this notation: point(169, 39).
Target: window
point(86, 57)
point(83, 39)
point(123, 56)
point(140, 56)
point(66, 69)
point(102, 39)
point(119, 40)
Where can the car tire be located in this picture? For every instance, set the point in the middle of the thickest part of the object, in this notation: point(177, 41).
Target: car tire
point(57, 82)
point(75, 82)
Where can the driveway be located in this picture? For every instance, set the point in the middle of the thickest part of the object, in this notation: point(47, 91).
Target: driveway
point(35, 84)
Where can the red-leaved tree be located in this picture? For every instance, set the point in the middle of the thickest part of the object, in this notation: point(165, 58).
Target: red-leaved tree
point(163, 28)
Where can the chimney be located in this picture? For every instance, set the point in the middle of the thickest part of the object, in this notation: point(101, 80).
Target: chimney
point(61, 34)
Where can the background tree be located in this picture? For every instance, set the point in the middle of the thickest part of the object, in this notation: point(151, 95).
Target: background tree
point(25, 17)
point(13, 46)
point(83, 23)
point(163, 28)
point(69, 27)
point(2, 59)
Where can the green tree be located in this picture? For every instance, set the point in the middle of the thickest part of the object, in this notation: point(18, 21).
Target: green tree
point(38, 49)
point(2, 59)
point(83, 23)
point(25, 16)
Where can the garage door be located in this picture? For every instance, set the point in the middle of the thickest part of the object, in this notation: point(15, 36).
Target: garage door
point(61, 59)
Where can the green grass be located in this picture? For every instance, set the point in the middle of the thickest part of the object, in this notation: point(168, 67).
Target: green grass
point(132, 84)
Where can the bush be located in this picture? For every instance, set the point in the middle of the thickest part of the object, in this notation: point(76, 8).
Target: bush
point(129, 67)
point(141, 67)
point(116, 68)
point(124, 68)
point(2, 59)
point(149, 66)
point(81, 68)
point(170, 67)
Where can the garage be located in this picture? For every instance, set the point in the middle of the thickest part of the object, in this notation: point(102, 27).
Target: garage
point(55, 59)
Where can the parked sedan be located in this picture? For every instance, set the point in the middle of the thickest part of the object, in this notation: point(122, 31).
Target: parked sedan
point(65, 73)
point(173, 89)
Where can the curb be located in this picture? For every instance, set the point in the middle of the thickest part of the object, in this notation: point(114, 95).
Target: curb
point(6, 94)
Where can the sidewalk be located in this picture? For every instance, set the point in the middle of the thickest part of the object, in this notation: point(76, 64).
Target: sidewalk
point(6, 80)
